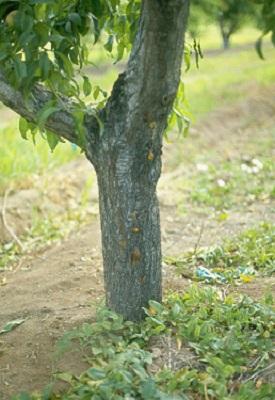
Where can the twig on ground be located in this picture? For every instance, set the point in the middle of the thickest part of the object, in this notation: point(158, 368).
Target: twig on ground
point(199, 238)
point(18, 266)
point(265, 371)
point(6, 226)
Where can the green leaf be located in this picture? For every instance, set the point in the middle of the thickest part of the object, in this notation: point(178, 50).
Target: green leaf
point(11, 325)
point(156, 306)
point(87, 87)
point(187, 60)
point(52, 140)
point(64, 376)
point(258, 46)
point(45, 113)
point(148, 389)
point(45, 65)
point(66, 65)
point(96, 92)
point(109, 45)
point(23, 127)
point(96, 373)
point(24, 396)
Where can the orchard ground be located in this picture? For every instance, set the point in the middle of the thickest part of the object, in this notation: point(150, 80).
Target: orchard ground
point(216, 183)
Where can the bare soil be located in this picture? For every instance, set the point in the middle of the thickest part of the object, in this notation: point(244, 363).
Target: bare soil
point(61, 287)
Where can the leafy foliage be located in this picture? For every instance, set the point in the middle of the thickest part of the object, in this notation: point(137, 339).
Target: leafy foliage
point(44, 41)
point(230, 338)
point(266, 22)
point(46, 38)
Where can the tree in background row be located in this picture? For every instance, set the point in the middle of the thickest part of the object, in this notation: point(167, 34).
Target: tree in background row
point(41, 50)
point(229, 15)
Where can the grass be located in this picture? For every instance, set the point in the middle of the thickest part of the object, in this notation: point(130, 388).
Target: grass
point(241, 259)
point(223, 178)
point(234, 182)
point(43, 232)
point(210, 37)
point(45, 229)
point(224, 79)
point(20, 158)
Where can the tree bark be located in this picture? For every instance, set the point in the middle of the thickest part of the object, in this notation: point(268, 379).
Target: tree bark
point(128, 163)
point(226, 42)
point(130, 229)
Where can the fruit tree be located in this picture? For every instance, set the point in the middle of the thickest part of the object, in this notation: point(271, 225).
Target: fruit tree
point(43, 46)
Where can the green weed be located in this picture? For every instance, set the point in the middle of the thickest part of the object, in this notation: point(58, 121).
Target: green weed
point(249, 254)
point(230, 339)
point(231, 183)
point(44, 231)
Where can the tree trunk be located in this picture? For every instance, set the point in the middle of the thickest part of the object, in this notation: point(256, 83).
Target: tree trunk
point(128, 167)
point(225, 33)
point(226, 41)
point(128, 158)
point(130, 229)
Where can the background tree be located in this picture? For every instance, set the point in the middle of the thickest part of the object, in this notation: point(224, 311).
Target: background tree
point(229, 15)
point(41, 52)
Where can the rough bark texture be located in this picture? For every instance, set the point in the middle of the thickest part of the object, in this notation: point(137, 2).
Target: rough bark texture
point(128, 164)
point(127, 156)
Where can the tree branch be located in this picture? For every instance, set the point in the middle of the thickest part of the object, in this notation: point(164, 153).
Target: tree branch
point(61, 122)
point(154, 68)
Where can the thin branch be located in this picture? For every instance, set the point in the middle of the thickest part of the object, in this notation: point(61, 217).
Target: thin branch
point(197, 244)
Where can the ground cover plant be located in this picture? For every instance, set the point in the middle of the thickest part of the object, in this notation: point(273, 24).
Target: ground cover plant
point(230, 339)
point(239, 259)
point(208, 342)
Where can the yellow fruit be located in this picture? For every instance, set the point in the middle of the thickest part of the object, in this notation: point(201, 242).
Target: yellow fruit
point(10, 18)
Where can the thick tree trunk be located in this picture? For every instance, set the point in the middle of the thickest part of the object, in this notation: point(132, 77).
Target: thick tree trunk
point(131, 244)
point(128, 158)
point(128, 168)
